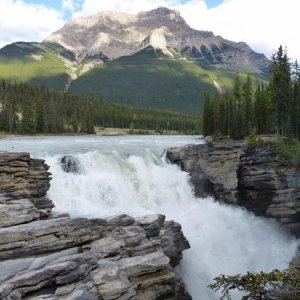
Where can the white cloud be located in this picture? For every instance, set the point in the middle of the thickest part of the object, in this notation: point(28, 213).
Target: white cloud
point(20, 21)
point(263, 24)
point(131, 6)
point(68, 5)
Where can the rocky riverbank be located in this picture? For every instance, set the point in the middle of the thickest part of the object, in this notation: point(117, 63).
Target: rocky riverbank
point(49, 256)
point(252, 177)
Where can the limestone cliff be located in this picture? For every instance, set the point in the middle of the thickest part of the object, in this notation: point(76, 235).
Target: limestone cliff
point(49, 256)
point(248, 176)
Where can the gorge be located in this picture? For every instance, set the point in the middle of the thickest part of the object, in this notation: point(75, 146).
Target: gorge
point(255, 177)
point(128, 175)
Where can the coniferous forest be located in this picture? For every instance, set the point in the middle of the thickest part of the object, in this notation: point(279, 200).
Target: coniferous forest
point(30, 109)
point(258, 109)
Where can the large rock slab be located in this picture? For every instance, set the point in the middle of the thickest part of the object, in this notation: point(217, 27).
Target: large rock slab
point(47, 235)
point(110, 260)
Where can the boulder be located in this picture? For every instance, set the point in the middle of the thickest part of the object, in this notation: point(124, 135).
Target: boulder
point(70, 164)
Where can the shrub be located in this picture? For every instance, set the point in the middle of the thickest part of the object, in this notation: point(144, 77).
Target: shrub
point(277, 284)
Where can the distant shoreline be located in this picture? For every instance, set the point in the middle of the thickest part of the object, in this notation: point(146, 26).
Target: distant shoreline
point(99, 132)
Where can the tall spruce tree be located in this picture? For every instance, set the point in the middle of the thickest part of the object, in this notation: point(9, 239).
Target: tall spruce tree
point(281, 90)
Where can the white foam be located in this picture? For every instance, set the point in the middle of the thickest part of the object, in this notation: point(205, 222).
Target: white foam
point(224, 239)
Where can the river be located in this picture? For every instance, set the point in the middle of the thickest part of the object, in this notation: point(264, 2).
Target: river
point(129, 174)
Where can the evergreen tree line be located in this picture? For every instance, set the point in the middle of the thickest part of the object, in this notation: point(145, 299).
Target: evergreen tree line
point(30, 109)
point(247, 110)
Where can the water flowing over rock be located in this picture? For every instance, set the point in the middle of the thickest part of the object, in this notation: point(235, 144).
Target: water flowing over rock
point(49, 256)
point(250, 177)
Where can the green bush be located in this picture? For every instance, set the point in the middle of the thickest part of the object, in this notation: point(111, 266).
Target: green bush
point(277, 285)
point(288, 152)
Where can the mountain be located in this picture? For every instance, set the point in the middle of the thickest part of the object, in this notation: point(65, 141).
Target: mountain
point(152, 59)
point(34, 63)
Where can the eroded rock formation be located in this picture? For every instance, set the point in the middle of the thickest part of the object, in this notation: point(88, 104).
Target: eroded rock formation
point(48, 256)
point(250, 177)
point(213, 166)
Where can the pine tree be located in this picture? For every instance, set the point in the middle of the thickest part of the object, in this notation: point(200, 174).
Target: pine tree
point(281, 87)
point(249, 116)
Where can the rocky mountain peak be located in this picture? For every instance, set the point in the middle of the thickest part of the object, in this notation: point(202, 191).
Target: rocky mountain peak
point(110, 35)
point(162, 12)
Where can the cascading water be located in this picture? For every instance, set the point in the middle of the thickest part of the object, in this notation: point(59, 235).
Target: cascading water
point(223, 239)
point(137, 181)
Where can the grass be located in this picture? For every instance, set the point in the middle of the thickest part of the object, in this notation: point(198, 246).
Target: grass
point(288, 152)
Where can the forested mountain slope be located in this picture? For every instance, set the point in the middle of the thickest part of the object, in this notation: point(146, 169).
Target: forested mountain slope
point(151, 60)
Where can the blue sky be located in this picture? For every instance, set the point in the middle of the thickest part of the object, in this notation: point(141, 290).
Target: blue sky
point(57, 4)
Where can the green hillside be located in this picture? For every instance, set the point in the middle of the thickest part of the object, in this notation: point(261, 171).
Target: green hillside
point(28, 62)
point(149, 79)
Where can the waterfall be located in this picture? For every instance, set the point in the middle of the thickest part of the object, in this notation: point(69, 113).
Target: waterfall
point(224, 239)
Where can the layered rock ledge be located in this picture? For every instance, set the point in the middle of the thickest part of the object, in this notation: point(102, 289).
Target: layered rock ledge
point(48, 256)
point(252, 177)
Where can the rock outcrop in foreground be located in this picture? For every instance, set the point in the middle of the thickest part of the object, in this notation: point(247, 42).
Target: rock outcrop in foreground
point(250, 177)
point(48, 256)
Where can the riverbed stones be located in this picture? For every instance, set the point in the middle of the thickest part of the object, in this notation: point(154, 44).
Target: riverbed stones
point(50, 256)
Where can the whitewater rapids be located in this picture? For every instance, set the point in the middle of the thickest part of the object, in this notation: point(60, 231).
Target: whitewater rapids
point(223, 239)
point(129, 175)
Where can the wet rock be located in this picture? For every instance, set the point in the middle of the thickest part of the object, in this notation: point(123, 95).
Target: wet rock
point(70, 164)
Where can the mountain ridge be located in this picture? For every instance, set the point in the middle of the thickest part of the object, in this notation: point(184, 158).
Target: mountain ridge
point(107, 55)
point(122, 34)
